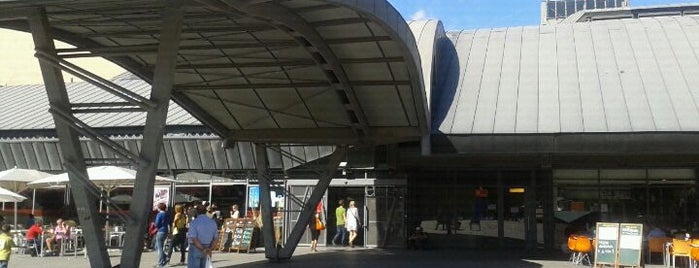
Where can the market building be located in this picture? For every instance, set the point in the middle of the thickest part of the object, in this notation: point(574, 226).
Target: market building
point(504, 134)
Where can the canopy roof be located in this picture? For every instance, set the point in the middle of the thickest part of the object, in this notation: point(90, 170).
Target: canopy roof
point(270, 71)
point(36, 116)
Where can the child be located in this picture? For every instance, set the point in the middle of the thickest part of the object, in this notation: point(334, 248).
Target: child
point(6, 245)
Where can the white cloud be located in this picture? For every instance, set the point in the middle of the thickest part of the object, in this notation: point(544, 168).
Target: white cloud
point(419, 15)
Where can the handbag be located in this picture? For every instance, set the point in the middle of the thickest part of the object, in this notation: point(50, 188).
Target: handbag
point(319, 225)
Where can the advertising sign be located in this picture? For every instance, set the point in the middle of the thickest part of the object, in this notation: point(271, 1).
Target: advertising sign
point(607, 243)
point(161, 195)
point(254, 196)
point(630, 241)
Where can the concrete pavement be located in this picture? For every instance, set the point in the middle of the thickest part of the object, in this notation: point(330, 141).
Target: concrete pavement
point(337, 257)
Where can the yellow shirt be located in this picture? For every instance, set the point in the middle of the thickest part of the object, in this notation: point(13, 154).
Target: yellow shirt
point(179, 223)
point(6, 245)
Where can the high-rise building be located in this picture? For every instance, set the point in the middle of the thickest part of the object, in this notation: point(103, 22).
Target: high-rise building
point(553, 11)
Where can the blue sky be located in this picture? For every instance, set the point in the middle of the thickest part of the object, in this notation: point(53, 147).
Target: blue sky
point(471, 14)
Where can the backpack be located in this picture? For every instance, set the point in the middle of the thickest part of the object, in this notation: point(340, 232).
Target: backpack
point(151, 229)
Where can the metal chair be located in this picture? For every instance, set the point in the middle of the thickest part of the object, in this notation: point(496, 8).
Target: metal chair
point(580, 247)
point(694, 253)
point(680, 248)
point(33, 246)
point(657, 245)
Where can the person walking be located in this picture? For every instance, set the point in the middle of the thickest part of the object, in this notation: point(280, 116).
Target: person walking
point(203, 237)
point(340, 218)
point(179, 232)
point(352, 223)
point(6, 245)
point(314, 227)
point(162, 224)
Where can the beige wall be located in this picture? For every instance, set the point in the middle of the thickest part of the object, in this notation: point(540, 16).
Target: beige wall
point(19, 67)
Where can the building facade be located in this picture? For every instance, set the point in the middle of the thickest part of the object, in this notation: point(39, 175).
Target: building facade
point(530, 129)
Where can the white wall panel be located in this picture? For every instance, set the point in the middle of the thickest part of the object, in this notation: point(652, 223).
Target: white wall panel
point(568, 82)
point(470, 87)
point(528, 100)
point(484, 118)
point(506, 114)
point(610, 86)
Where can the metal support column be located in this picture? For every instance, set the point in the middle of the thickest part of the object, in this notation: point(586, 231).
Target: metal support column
point(161, 92)
point(695, 210)
point(310, 205)
point(271, 250)
point(530, 230)
point(70, 144)
point(548, 197)
point(501, 210)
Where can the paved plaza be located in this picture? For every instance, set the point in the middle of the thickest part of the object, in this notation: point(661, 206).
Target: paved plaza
point(344, 257)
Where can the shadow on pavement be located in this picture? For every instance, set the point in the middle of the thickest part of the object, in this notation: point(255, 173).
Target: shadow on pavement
point(338, 257)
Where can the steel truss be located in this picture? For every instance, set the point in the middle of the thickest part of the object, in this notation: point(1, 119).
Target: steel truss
point(273, 252)
point(69, 128)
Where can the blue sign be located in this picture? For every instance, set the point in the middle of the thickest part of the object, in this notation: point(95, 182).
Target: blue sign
point(254, 196)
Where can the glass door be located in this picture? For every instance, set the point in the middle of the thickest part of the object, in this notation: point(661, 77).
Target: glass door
point(521, 224)
point(297, 196)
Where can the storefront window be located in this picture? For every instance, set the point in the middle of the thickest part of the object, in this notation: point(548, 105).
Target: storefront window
point(658, 196)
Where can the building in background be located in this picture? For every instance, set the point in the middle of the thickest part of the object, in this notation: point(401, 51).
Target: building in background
point(554, 11)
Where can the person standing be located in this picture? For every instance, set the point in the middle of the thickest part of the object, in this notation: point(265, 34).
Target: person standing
point(234, 212)
point(179, 232)
point(162, 225)
point(6, 245)
point(203, 237)
point(30, 221)
point(352, 223)
point(341, 231)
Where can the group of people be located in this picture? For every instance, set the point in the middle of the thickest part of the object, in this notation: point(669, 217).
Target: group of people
point(194, 228)
point(52, 238)
point(346, 221)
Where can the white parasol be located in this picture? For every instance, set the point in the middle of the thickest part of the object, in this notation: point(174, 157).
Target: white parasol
point(9, 196)
point(15, 180)
point(106, 177)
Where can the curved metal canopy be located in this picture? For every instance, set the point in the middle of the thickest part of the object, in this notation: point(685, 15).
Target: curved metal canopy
point(303, 71)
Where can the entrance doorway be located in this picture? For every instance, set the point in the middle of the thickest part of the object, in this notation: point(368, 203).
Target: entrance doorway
point(356, 194)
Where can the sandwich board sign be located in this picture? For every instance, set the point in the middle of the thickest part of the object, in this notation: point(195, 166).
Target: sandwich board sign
point(607, 244)
point(630, 241)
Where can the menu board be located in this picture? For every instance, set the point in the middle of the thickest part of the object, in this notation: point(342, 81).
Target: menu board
point(226, 234)
point(607, 243)
point(630, 242)
point(242, 235)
